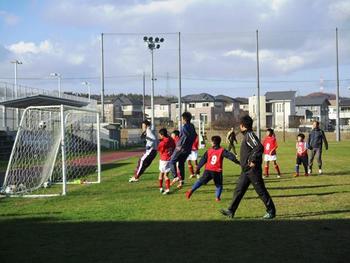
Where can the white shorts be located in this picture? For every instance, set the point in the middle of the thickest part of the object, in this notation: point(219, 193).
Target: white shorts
point(163, 166)
point(269, 158)
point(193, 156)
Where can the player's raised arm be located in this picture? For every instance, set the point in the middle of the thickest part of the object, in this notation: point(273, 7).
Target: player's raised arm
point(230, 156)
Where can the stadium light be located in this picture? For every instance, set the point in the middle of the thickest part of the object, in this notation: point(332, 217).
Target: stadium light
point(58, 76)
point(87, 84)
point(152, 44)
point(16, 62)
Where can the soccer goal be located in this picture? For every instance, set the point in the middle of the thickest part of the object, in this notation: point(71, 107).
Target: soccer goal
point(55, 146)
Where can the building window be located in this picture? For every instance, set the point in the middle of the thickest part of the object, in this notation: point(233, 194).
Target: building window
point(205, 104)
point(192, 105)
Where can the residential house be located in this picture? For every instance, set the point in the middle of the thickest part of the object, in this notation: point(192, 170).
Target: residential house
point(161, 109)
point(344, 104)
point(243, 104)
point(277, 109)
point(231, 105)
point(313, 108)
point(202, 106)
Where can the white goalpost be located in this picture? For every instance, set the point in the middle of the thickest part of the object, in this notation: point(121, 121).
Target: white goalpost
point(55, 146)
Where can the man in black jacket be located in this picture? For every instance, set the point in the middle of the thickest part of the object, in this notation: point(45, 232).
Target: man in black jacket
point(315, 143)
point(251, 161)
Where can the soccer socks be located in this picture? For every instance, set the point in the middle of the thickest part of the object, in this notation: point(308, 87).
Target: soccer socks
point(190, 167)
point(277, 168)
point(160, 183)
point(297, 169)
point(266, 170)
point(218, 192)
point(167, 184)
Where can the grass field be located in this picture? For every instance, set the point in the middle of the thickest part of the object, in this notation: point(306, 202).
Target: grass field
point(121, 222)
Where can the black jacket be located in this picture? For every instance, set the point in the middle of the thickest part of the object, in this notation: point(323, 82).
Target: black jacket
point(251, 150)
point(187, 136)
point(317, 138)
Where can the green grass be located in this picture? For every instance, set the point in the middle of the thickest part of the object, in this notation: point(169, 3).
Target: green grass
point(120, 222)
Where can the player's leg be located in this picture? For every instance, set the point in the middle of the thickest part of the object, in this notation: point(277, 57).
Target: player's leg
point(277, 168)
point(167, 183)
point(266, 166)
point(312, 156)
point(219, 185)
point(181, 164)
point(319, 160)
point(197, 174)
point(229, 148)
point(143, 163)
point(305, 164)
point(173, 165)
point(161, 176)
point(203, 180)
point(242, 185)
point(190, 167)
point(255, 177)
point(298, 162)
point(234, 148)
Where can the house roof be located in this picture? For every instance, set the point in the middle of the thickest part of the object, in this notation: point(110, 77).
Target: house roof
point(311, 101)
point(342, 102)
point(280, 95)
point(225, 99)
point(242, 100)
point(125, 100)
point(157, 100)
point(329, 96)
point(202, 97)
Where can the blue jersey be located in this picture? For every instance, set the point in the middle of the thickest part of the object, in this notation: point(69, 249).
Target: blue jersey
point(187, 136)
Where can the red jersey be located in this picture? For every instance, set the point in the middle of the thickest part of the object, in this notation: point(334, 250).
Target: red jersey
point(166, 148)
point(301, 149)
point(195, 144)
point(270, 145)
point(176, 139)
point(215, 159)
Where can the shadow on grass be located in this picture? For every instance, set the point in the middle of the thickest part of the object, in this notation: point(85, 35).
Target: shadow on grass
point(108, 166)
point(46, 240)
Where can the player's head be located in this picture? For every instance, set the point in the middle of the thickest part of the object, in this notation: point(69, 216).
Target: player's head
point(270, 132)
point(246, 123)
point(186, 117)
point(175, 134)
point(215, 141)
point(146, 124)
point(163, 133)
point(315, 124)
point(301, 137)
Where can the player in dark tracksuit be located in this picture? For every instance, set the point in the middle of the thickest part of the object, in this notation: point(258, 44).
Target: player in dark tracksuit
point(213, 161)
point(315, 142)
point(251, 161)
point(183, 149)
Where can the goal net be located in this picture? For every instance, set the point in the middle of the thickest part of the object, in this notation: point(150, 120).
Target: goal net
point(54, 146)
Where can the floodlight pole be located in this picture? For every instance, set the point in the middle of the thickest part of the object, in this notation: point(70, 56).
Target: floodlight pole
point(179, 77)
point(284, 121)
point(16, 62)
point(152, 91)
point(102, 81)
point(337, 93)
point(143, 95)
point(258, 87)
point(87, 84)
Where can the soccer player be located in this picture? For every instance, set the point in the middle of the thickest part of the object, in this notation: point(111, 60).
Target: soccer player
point(231, 140)
point(183, 149)
point(176, 136)
point(302, 157)
point(193, 157)
point(315, 142)
point(213, 161)
point(166, 148)
point(150, 153)
point(270, 146)
point(251, 161)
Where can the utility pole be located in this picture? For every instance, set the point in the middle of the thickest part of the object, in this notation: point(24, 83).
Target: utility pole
point(143, 95)
point(258, 87)
point(102, 81)
point(337, 94)
point(179, 78)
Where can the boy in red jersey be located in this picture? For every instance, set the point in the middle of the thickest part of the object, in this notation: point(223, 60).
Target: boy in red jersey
point(193, 157)
point(270, 146)
point(165, 148)
point(302, 157)
point(213, 160)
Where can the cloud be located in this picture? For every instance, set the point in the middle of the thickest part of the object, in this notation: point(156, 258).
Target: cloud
point(340, 10)
point(22, 47)
point(9, 19)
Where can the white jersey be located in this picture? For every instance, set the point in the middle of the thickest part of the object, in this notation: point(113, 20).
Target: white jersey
point(151, 139)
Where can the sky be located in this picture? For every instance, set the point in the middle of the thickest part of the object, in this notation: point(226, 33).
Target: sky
point(218, 44)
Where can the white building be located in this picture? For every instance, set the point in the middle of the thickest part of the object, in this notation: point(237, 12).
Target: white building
point(344, 115)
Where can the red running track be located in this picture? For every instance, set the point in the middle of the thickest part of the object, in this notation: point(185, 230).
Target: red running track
point(110, 157)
